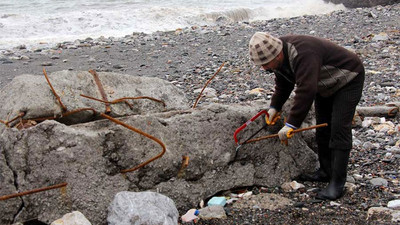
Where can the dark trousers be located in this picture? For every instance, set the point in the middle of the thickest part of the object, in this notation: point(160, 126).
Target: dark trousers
point(338, 111)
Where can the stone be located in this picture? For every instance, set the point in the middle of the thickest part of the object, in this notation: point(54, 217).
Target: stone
point(207, 92)
point(37, 100)
point(8, 207)
point(89, 156)
point(73, 218)
point(129, 208)
point(394, 204)
point(377, 212)
point(212, 212)
point(379, 182)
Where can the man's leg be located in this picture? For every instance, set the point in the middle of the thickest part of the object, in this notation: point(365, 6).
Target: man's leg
point(323, 111)
point(344, 105)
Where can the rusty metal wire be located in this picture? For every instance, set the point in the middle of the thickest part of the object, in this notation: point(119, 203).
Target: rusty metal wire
point(201, 92)
point(54, 92)
point(5, 197)
point(142, 133)
point(19, 116)
point(124, 100)
point(276, 135)
point(185, 163)
point(391, 112)
point(101, 90)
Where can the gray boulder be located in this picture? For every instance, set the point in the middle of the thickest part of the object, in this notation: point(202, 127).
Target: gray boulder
point(129, 208)
point(32, 95)
point(90, 156)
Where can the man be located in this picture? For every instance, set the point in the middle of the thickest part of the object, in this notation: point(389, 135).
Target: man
point(316, 69)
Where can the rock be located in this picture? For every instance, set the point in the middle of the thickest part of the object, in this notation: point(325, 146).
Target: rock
point(208, 92)
point(129, 208)
point(292, 186)
point(380, 37)
point(69, 157)
point(394, 204)
point(90, 156)
point(37, 100)
point(374, 213)
point(212, 212)
point(350, 187)
point(46, 64)
point(9, 207)
point(379, 182)
point(73, 218)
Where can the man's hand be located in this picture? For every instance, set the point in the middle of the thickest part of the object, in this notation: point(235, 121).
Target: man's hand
point(272, 116)
point(285, 133)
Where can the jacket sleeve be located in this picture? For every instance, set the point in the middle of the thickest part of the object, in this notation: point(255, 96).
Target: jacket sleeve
point(307, 67)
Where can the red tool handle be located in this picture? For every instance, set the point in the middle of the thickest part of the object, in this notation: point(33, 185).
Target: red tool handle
point(247, 123)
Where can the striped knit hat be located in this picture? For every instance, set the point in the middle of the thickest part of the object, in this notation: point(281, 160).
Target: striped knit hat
point(263, 48)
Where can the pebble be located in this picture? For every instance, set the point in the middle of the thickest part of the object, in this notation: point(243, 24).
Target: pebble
point(379, 182)
point(395, 204)
point(46, 64)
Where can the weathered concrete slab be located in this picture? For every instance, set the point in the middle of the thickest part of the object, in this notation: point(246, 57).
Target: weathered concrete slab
point(8, 208)
point(32, 94)
point(89, 157)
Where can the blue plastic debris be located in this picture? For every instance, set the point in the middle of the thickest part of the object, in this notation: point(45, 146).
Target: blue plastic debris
point(217, 201)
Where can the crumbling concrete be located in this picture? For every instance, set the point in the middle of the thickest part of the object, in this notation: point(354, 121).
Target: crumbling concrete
point(89, 157)
point(32, 95)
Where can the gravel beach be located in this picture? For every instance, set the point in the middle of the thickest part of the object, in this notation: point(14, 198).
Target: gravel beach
point(188, 57)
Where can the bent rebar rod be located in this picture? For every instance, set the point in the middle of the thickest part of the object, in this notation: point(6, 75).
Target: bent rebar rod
point(5, 197)
point(139, 132)
point(101, 90)
point(54, 92)
point(124, 100)
point(201, 92)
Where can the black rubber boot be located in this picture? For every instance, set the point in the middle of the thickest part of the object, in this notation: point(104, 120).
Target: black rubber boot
point(323, 174)
point(335, 188)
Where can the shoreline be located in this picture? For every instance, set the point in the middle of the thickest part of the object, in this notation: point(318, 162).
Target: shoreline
point(189, 57)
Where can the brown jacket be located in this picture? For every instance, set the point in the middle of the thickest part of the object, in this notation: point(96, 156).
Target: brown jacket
point(314, 65)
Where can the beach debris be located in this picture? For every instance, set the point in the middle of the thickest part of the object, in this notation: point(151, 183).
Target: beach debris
point(217, 201)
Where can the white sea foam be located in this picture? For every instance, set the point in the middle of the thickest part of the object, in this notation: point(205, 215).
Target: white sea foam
point(31, 22)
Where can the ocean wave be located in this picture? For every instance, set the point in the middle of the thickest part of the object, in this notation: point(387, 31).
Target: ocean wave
point(57, 22)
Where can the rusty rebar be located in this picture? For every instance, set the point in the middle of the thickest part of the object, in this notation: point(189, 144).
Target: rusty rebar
point(62, 115)
point(185, 163)
point(141, 133)
point(96, 99)
point(276, 135)
point(101, 90)
point(54, 92)
point(124, 100)
point(391, 114)
point(20, 115)
point(201, 92)
point(5, 197)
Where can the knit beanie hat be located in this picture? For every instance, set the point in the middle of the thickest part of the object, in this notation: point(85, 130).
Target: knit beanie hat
point(263, 48)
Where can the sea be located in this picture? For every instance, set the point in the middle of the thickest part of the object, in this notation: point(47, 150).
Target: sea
point(45, 22)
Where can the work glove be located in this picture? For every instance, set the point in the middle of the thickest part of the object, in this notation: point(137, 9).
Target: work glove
point(285, 133)
point(273, 116)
